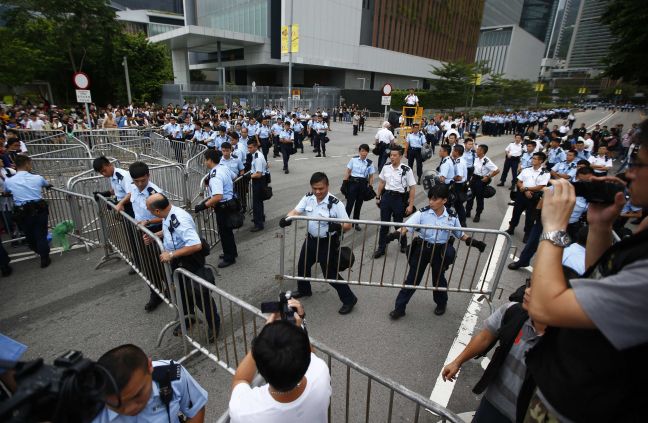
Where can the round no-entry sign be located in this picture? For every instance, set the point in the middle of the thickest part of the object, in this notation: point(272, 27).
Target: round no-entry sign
point(81, 80)
point(387, 89)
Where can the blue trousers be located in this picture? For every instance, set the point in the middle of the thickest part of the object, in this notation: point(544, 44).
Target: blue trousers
point(391, 208)
point(258, 212)
point(487, 413)
point(354, 198)
point(531, 245)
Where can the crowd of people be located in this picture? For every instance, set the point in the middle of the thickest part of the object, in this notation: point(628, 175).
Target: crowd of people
point(566, 343)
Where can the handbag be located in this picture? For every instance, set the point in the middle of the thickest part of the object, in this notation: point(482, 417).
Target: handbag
point(426, 152)
point(369, 193)
point(266, 193)
point(347, 258)
point(235, 220)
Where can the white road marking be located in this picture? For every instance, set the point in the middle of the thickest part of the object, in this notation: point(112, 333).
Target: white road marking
point(443, 390)
point(302, 158)
point(34, 255)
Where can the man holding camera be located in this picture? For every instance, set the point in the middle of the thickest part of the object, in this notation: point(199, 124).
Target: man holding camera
point(149, 391)
point(590, 365)
point(322, 243)
point(298, 384)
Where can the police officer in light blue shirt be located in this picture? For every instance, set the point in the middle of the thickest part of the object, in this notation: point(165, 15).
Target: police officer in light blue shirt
point(322, 241)
point(201, 134)
point(31, 211)
point(231, 160)
point(525, 158)
point(276, 128)
point(566, 169)
point(139, 394)
point(219, 139)
point(120, 181)
point(431, 246)
point(555, 154)
point(445, 170)
point(469, 156)
point(415, 141)
point(298, 130)
point(265, 137)
point(358, 179)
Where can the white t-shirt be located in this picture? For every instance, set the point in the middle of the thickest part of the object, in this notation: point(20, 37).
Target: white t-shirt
point(256, 405)
point(589, 144)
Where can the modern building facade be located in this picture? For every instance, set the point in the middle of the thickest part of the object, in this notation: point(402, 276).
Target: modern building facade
point(342, 43)
point(591, 39)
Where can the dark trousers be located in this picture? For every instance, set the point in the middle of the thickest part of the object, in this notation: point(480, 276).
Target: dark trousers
point(320, 145)
point(226, 235)
point(34, 226)
point(325, 252)
point(355, 129)
point(178, 148)
point(409, 112)
point(286, 150)
point(190, 291)
point(487, 413)
point(439, 256)
point(531, 245)
point(4, 258)
point(459, 199)
point(511, 163)
point(258, 214)
point(275, 146)
point(523, 204)
point(414, 155)
point(354, 198)
point(299, 141)
point(477, 188)
point(382, 159)
point(265, 147)
point(391, 208)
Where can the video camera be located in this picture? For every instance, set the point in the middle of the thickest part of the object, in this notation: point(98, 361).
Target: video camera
point(597, 191)
point(286, 312)
point(72, 390)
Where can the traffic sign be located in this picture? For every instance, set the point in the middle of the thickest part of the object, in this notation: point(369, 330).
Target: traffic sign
point(83, 96)
point(386, 100)
point(387, 90)
point(81, 80)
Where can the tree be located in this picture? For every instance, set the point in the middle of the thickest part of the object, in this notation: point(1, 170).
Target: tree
point(455, 82)
point(627, 21)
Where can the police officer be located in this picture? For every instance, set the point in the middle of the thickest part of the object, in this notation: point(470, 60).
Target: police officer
point(221, 195)
point(459, 185)
point(298, 130)
point(555, 154)
point(176, 138)
point(141, 387)
point(219, 139)
point(321, 128)
point(276, 129)
point(531, 182)
point(446, 169)
point(264, 134)
point(432, 246)
point(120, 181)
point(286, 142)
point(527, 156)
point(567, 169)
point(411, 101)
point(469, 156)
point(231, 160)
point(358, 178)
point(415, 140)
point(322, 242)
point(183, 248)
point(485, 171)
point(513, 152)
point(431, 130)
point(258, 173)
point(396, 181)
point(30, 211)
point(140, 189)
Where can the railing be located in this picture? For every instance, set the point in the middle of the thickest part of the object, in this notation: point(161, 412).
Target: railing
point(59, 171)
point(178, 151)
point(359, 394)
point(462, 264)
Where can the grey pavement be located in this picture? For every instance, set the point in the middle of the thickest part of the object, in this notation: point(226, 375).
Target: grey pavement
point(70, 305)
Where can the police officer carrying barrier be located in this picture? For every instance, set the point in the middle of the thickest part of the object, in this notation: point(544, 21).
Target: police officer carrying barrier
point(120, 181)
point(322, 241)
point(140, 189)
point(221, 198)
point(184, 248)
point(358, 178)
point(394, 196)
point(259, 175)
point(31, 211)
point(485, 171)
point(431, 246)
point(415, 141)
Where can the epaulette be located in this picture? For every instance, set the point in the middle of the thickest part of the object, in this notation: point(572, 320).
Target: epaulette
point(405, 168)
point(355, 157)
point(309, 194)
point(333, 200)
point(485, 160)
point(235, 156)
point(119, 176)
point(369, 162)
point(256, 155)
point(452, 213)
point(151, 190)
point(426, 208)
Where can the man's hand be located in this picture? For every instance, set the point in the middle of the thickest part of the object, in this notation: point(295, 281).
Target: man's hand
point(409, 210)
point(119, 208)
point(299, 311)
point(200, 207)
point(558, 205)
point(606, 214)
point(450, 371)
point(393, 236)
point(147, 239)
point(335, 227)
point(166, 257)
point(284, 222)
point(528, 194)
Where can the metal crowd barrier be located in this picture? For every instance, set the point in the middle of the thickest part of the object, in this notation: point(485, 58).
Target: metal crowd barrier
point(95, 138)
point(359, 394)
point(467, 273)
point(243, 190)
point(179, 151)
point(206, 225)
point(125, 237)
point(196, 172)
point(59, 171)
point(58, 151)
point(29, 136)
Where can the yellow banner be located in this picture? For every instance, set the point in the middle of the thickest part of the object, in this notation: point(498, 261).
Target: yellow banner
point(294, 45)
point(539, 87)
point(478, 78)
point(284, 39)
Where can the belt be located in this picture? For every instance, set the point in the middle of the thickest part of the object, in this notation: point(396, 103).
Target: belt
point(357, 179)
point(334, 234)
point(31, 203)
point(391, 192)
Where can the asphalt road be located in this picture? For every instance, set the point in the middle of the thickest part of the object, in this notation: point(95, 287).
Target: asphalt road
point(73, 306)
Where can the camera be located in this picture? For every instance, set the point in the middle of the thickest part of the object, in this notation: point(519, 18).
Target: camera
point(597, 191)
point(286, 312)
point(72, 390)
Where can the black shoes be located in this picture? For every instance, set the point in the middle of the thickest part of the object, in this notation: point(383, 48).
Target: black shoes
point(256, 229)
point(297, 294)
point(396, 314)
point(440, 309)
point(379, 253)
point(225, 263)
point(403, 249)
point(286, 171)
point(515, 265)
point(347, 308)
point(318, 155)
point(153, 302)
point(45, 261)
point(510, 230)
point(501, 184)
point(477, 218)
point(357, 227)
point(6, 270)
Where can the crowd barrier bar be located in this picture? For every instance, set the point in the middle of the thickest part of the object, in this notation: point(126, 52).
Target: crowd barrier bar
point(240, 322)
point(391, 269)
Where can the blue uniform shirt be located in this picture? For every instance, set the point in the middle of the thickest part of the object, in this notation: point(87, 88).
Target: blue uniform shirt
point(263, 132)
point(259, 164)
point(579, 208)
point(202, 135)
point(276, 129)
point(138, 199)
point(286, 135)
point(308, 206)
point(556, 155)
point(525, 159)
point(220, 182)
point(361, 168)
point(217, 141)
point(567, 168)
point(460, 169)
point(469, 158)
point(234, 164)
point(582, 155)
point(179, 230)
point(121, 182)
point(188, 398)
point(415, 140)
point(297, 127)
point(25, 187)
point(426, 216)
point(446, 168)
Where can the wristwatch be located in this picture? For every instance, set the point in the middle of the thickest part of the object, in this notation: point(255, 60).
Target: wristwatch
point(557, 238)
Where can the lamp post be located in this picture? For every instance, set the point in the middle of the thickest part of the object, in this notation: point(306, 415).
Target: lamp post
point(128, 91)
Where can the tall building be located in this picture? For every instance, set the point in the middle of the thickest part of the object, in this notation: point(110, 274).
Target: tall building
point(342, 43)
point(591, 39)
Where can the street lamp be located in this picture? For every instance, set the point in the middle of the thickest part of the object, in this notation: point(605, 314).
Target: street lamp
point(363, 82)
point(128, 91)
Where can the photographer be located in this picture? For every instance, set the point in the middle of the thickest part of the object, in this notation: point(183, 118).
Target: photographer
point(142, 384)
point(298, 384)
point(590, 365)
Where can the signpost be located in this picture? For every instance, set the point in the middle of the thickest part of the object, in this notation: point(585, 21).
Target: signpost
point(82, 82)
point(386, 97)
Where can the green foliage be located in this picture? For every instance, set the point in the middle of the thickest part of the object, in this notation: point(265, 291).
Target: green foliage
point(627, 21)
point(52, 39)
